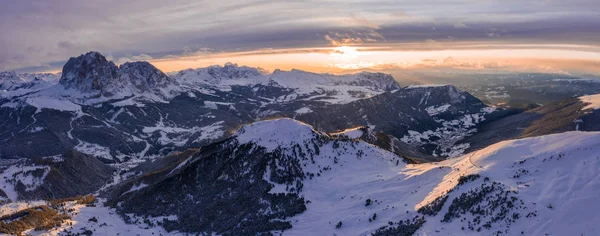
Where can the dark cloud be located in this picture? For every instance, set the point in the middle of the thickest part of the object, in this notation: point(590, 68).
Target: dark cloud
point(38, 32)
point(65, 44)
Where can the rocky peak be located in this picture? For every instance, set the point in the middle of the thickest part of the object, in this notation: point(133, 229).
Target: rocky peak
point(377, 80)
point(91, 73)
point(9, 79)
point(374, 81)
point(144, 76)
point(233, 71)
point(5, 75)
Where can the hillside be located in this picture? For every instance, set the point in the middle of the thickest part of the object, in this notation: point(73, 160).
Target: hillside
point(566, 115)
point(285, 181)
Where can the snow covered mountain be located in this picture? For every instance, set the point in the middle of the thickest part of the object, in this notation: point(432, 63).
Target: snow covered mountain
point(135, 111)
point(303, 85)
point(10, 80)
point(430, 119)
point(13, 84)
point(92, 76)
point(207, 151)
point(282, 176)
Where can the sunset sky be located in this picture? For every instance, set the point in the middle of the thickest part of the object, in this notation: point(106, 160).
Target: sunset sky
point(335, 36)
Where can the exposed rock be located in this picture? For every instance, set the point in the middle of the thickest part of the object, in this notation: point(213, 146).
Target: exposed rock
point(92, 73)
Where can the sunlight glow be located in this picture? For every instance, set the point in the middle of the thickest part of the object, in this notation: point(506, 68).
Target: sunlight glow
point(348, 59)
point(345, 53)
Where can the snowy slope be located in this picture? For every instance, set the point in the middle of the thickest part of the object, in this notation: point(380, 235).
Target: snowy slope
point(100, 221)
point(553, 178)
point(262, 168)
point(335, 184)
point(537, 185)
point(13, 84)
point(26, 177)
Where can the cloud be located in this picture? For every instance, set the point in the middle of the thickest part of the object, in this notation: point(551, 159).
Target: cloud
point(141, 57)
point(338, 39)
point(362, 22)
point(65, 44)
point(460, 25)
point(354, 37)
point(44, 32)
point(399, 14)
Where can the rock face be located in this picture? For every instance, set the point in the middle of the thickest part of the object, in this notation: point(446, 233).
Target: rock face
point(92, 73)
point(233, 71)
point(376, 80)
point(144, 76)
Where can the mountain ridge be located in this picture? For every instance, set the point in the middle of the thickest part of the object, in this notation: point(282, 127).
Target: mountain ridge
point(370, 194)
point(136, 111)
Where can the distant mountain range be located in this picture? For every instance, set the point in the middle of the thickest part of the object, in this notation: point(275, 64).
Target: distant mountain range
point(136, 111)
point(235, 150)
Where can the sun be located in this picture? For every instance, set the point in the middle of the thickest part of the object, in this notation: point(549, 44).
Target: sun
point(345, 53)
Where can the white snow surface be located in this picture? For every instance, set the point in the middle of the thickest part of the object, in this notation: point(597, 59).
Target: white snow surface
point(303, 110)
point(53, 104)
point(108, 223)
point(181, 135)
point(13, 174)
point(560, 184)
point(13, 84)
point(593, 101)
point(272, 134)
point(558, 180)
point(435, 110)
point(94, 150)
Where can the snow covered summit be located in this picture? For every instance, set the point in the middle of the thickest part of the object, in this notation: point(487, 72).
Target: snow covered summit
point(276, 133)
point(13, 84)
point(336, 89)
point(9, 79)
